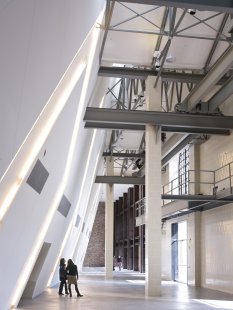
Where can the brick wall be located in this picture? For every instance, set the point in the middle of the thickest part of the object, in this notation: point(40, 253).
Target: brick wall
point(95, 255)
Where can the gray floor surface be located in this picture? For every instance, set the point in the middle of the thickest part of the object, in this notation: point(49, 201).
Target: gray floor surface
point(127, 291)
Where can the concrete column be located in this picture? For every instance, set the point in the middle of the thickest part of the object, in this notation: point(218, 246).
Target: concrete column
point(153, 195)
point(194, 166)
point(197, 218)
point(109, 208)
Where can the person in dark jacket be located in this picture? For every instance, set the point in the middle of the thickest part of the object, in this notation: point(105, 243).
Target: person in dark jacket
point(62, 277)
point(72, 277)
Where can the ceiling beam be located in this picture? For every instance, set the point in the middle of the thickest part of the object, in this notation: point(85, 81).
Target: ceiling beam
point(215, 44)
point(194, 197)
point(138, 117)
point(143, 73)
point(175, 129)
point(114, 126)
point(120, 180)
point(206, 131)
point(216, 72)
point(124, 155)
point(126, 72)
point(207, 5)
point(222, 95)
point(200, 90)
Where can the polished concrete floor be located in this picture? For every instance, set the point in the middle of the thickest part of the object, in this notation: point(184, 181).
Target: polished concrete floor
point(126, 291)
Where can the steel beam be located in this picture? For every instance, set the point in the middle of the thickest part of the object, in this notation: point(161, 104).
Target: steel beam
point(194, 198)
point(114, 126)
point(207, 5)
point(214, 46)
point(170, 119)
point(222, 95)
point(124, 155)
point(175, 129)
point(216, 72)
point(206, 131)
point(166, 33)
point(143, 73)
point(120, 180)
point(125, 72)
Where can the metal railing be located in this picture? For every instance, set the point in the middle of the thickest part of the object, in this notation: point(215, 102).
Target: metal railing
point(198, 182)
point(192, 184)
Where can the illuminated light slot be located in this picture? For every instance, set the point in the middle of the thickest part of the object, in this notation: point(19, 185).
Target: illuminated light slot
point(78, 120)
point(29, 264)
point(95, 37)
point(85, 172)
point(36, 148)
point(8, 200)
point(74, 136)
point(72, 223)
point(60, 97)
point(25, 273)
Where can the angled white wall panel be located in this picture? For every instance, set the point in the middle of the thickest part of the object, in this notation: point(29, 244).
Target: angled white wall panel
point(41, 39)
point(30, 210)
point(38, 41)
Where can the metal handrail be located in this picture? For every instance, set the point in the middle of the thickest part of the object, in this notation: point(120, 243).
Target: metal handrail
point(140, 204)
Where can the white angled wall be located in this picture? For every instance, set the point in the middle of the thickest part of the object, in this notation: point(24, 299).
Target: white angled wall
point(39, 41)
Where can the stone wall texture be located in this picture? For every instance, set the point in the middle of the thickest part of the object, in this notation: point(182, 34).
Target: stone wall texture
point(95, 255)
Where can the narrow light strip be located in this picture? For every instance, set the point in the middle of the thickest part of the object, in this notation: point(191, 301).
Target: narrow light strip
point(75, 134)
point(26, 270)
point(60, 102)
point(32, 258)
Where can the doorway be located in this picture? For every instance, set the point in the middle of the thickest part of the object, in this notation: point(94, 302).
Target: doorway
point(179, 252)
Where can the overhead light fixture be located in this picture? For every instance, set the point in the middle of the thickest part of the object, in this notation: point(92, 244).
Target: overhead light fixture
point(157, 64)
point(192, 11)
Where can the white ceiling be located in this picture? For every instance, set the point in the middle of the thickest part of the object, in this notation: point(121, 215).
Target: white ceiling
point(134, 41)
point(138, 48)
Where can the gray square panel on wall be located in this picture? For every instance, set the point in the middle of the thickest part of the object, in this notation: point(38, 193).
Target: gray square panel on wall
point(38, 177)
point(64, 206)
point(78, 221)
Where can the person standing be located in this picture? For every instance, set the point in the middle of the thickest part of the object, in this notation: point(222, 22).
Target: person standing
point(62, 277)
point(72, 277)
point(119, 262)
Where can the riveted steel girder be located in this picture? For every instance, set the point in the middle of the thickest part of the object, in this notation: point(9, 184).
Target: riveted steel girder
point(207, 5)
point(170, 119)
point(133, 127)
point(143, 73)
point(124, 155)
point(119, 180)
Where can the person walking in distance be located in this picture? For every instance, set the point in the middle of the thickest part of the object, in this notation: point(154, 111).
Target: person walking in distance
point(62, 277)
point(72, 277)
point(119, 262)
